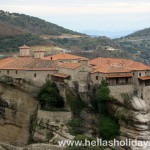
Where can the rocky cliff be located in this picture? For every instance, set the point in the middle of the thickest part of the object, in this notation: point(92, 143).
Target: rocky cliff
point(132, 108)
point(18, 111)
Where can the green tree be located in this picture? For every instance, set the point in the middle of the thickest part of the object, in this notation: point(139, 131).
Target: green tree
point(76, 105)
point(108, 126)
point(49, 97)
point(103, 97)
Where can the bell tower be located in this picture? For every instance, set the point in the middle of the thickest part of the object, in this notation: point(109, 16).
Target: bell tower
point(39, 54)
point(24, 50)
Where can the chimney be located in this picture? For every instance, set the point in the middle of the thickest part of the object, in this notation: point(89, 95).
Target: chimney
point(39, 54)
point(24, 50)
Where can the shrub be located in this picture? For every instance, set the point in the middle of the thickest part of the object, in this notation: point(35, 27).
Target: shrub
point(108, 127)
point(49, 97)
point(76, 105)
point(49, 135)
point(75, 126)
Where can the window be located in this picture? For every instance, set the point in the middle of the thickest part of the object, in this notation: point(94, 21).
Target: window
point(16, 72)
point(127, 80)
point(139, 74)
point(117, 81)
point(48, 76)
point(133, 74)
point(96, 77)
point(51, 58)
point(7, 71)
point(35, 75)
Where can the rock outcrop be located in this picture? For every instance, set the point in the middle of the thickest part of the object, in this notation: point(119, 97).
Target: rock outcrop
point(133, 113)
point(18, 111)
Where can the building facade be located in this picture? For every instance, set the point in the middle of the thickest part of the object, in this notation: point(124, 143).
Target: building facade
point(71, 69)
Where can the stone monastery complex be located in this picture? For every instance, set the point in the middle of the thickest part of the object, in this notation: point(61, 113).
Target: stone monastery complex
point(74, 70)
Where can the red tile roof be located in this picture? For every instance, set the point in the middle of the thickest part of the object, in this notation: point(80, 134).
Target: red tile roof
point(144, 78)
point(119, 75)
point(24, 47)
point(110, 65)
point(61, 75)
point(5, 61)
point(27, 63)
point(39, 51)
point(70, 65)
point(63, 56)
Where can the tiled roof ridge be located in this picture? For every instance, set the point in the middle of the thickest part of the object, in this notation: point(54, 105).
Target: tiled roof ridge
point(3, 65)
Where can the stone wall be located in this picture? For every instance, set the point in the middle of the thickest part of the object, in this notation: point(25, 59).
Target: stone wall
point(118, 90)
point(97, 77)
point(36, 77)
point(146, 93)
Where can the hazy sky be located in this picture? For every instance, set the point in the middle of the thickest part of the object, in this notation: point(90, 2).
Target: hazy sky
point(79, 15)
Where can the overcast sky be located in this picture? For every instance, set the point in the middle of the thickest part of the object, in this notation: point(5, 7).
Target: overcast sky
point(79, 15)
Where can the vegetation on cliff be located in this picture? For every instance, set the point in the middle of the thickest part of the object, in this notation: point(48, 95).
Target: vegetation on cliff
point(108, 126)
point(76, 105)
point(49, 97)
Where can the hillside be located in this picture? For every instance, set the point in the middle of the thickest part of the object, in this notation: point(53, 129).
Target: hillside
point(18, 29)
point(93, 47)
point(32, 24)
point(141, 33)
point(137, 43)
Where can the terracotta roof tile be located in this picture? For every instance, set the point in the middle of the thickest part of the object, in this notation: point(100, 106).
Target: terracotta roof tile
point(63, 56)
point(24, 47)
point(109, 65)
point(27, 63)
point(70, 65)
point(61, 75)
point(119, 75)
point(144, 78)
point(5, 61)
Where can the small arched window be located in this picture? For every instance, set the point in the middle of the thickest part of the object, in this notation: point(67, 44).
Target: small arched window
point(7, 71)
point(48, 75)
point(139, 74)
point(16, 72)
point(35, 75)
point(96, 77)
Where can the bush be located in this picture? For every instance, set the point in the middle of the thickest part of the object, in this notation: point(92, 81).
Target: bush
point(76, 105)
point(74, 126)
point(108, 128)
point(49, 135)
point(49, 97)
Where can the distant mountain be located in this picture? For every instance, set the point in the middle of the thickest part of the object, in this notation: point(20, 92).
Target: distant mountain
point(92, 47)
point(141, 33)
point(32, 25)
point(138, 43)
point(110, 34)
point(17, 29)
